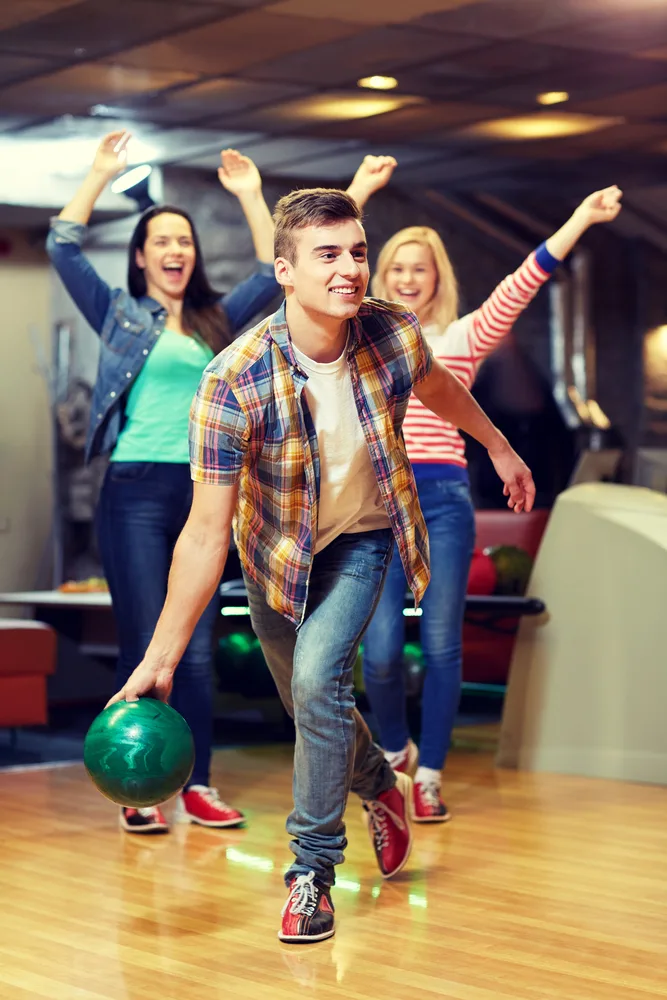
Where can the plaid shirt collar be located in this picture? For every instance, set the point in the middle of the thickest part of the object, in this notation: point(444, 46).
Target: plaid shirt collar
point(280, 335)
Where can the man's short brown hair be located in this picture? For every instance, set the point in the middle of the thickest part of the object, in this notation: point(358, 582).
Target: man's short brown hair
point(309, 207)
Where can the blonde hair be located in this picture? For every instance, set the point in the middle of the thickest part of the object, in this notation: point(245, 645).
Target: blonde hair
point(443, 307)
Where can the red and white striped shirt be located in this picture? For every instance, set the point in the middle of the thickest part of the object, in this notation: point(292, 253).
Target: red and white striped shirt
point(462, 347)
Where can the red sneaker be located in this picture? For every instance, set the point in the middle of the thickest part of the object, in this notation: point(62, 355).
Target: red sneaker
point(387, 819)
point(308, 914)
point(427, 805)
point(148, 820)
point(202, 805)
point(404, 760)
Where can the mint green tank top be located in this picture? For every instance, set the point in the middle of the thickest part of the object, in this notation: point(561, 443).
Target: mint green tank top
point(157, 409)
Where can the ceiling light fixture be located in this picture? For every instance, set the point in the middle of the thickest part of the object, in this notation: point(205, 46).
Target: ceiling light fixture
point(341, 106)
point(541, 125)
point(378, 82)
point(553, 97)
point(134, 184)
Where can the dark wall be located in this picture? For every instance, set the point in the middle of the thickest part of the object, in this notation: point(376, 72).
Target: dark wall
point(627, 293)
point(652, 378)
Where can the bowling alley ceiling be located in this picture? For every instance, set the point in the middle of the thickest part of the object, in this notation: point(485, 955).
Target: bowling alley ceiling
point(278, 78)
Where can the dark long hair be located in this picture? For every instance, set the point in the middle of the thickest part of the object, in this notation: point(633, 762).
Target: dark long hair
point(203, 316)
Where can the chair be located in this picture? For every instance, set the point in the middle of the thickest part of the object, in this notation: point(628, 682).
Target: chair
point(27, 657)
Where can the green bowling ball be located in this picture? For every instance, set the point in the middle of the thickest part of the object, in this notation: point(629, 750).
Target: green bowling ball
point(139, 753)
point(513, 569)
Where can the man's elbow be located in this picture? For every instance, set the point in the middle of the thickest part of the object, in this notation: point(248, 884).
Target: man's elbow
point(210, 536)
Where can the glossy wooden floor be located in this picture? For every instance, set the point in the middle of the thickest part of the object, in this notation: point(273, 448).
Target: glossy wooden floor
point(541, 887)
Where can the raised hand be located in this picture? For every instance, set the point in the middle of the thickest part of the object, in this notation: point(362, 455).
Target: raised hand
point(238, 174)
point(373, 173)
point(111, 156)
point(601, 206)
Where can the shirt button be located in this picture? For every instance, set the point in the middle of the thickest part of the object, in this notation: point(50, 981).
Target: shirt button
point(126, 325)
point(99, 416)
point(128, 374)
point(113, 395)
point(144, 352)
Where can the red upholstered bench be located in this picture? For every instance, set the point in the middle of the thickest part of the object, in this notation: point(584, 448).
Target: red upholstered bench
point(27, 656)
point(502, 527)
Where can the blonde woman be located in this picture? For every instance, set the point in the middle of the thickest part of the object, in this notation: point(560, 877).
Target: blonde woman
point(414, 268)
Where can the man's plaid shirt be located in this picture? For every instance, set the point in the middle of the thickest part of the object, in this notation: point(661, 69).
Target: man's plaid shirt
point(250, 424)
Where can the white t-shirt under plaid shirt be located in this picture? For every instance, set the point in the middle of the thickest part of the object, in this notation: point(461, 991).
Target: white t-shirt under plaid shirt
point(249, 426)
point(350, 499)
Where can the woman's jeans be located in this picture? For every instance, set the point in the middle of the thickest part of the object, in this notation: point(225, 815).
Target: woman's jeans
point(143, 507)
point(313, 671)
point(450, 521)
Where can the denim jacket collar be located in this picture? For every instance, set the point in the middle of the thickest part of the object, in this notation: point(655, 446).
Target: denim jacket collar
point(152, 305)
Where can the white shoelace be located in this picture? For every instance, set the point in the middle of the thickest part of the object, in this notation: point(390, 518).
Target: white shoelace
point(378, 814)
point(211, 795)
point(397, 758)
point(302, 899)
point(149, 812)
point(430, 793)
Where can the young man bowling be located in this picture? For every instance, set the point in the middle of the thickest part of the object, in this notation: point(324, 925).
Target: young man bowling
point(296, 432)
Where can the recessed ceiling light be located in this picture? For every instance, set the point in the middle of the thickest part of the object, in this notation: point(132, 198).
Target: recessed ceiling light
point(541, 125)
point(378, 82)
point(341, 106)
point(553, 97)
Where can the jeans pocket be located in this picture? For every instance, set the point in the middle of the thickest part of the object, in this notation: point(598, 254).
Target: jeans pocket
point(361, 555)
point(265, 621)
point(453, 491)
point(129, 472)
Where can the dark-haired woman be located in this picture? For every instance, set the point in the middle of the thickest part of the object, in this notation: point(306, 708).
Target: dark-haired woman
point(156, 339)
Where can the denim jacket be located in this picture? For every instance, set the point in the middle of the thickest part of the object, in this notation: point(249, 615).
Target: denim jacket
point(129, 327)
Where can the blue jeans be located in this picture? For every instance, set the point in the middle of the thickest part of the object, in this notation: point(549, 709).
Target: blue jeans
point(450, 521)
point(143, 507)
point(313, 671)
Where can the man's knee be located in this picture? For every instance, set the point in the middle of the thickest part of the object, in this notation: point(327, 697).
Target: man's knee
point(314, 696)
point(307, 692)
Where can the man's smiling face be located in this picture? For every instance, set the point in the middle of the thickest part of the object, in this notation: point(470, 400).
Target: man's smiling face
point(330, 273)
